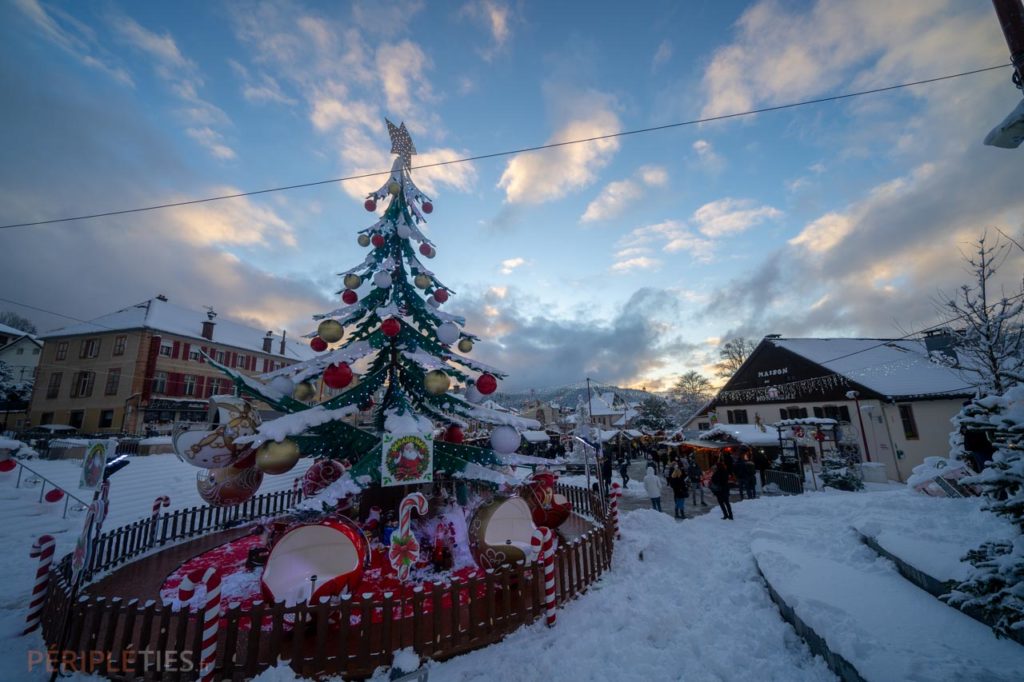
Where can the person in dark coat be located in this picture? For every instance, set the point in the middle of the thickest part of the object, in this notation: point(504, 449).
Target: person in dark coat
point(606, 472)
point(761, 463)
point(750, 477)
point(680, 489)
point(624, 472)
point(695, 474)
point(720, 487)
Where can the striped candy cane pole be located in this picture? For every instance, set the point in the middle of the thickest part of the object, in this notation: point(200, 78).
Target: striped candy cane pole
point(42, 549)
point(412, 501)
point(537, 544)
point(613, 508)
point(162, 501)
point(211, 616)
point(549, 575)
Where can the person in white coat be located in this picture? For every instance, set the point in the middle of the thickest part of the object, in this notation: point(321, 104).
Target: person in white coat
point(652, 484)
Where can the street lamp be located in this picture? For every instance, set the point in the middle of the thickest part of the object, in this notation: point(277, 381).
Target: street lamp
point(854, 396)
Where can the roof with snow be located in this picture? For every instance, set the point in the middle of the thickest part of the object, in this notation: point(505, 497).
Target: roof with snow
point(602, 405)
point(889, 367)
point(750, 434)
point(14, 333)
point(162, 316)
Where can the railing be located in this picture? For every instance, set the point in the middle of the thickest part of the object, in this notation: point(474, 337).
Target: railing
point(350, 636)
point(789, 483)
point(39, 478)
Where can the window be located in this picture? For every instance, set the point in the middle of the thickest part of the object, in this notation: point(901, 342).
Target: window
point(119, 343)
point(21, 351)
point(703, 426)
point(193, 354)
point(46, 418)
point(840, 413)
point(106, 419)
point(190, 384)
point(242, 361)
point(62, 350)
point(113, 380)
point(736, 416)
point(82, 386)
point(909, 425)
point(165, 348)
point(35, 351)
point(794, 412)
point(220, 357)
point(76, 418)
point(90, 348)
point(53, 388)
point(160, 382)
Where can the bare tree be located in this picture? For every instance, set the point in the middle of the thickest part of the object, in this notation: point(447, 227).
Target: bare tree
point(692, 383)
point(732, 355)
point(18, 322)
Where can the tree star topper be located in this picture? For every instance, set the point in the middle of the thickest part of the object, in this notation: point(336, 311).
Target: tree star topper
point(401, 143)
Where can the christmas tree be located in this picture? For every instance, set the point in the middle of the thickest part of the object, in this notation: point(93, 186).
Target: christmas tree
point(392, 326)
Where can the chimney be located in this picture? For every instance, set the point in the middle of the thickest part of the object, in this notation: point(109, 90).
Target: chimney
point(940, 345)
point(284, 335)
point(268, 341)
point(208, 324)
point(161, 297)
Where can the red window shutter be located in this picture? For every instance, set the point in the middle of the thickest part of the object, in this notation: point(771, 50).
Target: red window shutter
point(173, 384)
point(265, 361)
point(175, 349)
point(200, 380)
point(184, 351)
point(234, 360)
point(252, 363)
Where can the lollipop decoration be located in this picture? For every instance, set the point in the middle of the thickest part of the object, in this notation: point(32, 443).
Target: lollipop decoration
point(405, 548)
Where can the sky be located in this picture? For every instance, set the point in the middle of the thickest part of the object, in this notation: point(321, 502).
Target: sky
point(627, 260)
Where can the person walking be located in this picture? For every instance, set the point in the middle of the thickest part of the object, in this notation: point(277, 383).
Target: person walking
point(677, 481)
point(624, 472)
point(720, 487)
point(606, 472)
point(749, 477)
point(761, 464)
point(695, 473)
point(652, 484)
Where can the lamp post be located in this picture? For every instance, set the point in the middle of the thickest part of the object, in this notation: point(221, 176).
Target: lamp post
point(854, 396)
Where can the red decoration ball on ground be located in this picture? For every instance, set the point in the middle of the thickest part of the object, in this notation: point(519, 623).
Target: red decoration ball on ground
point(390, 327)
point(7, 466)
point(55, 495)
point(377, 240)
point(454, 434)
point(441, 295)
point(338, 376)
point(349, 296)
point(370, 205)
point(486, 384)
point(425, 249)
point(428, 207)
point(318, 344)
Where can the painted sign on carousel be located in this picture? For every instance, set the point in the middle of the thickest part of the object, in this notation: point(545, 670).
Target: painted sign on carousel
point(406, 458)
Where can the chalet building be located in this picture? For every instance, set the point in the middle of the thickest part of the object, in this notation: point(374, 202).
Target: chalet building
point(608, 410)
point(20, 352)
point(144, 368)
point(893, 398)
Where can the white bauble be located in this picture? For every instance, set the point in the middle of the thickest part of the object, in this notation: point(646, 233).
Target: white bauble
point(432, 302)
point(504, 440)
point(403, 230)
point(382, 280)
point(283, 384)
point(473, 395)
point(447, 333)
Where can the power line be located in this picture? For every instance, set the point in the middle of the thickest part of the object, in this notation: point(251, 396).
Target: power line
point(521, 150)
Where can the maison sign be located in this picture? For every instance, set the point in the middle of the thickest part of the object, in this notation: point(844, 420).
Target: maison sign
point(765, 373)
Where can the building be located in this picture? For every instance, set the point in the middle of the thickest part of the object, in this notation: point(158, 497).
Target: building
point(20, 352)
point(608, 410)
point(144, 368)
point(892, 398)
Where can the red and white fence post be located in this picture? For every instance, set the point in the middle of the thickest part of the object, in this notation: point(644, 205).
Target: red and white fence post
point(210, 620)
point(162, 501)
point(42, 549)
point(542, 543)
point(613, 508)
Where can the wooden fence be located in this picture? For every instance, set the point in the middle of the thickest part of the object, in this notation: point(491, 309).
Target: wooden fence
point(352, 636)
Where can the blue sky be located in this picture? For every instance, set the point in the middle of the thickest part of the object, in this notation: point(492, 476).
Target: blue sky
point(626, 260)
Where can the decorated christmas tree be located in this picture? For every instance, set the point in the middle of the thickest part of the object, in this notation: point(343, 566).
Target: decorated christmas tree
point(389, 348)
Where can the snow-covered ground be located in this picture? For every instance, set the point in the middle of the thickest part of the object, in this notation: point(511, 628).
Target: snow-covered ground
point(684, 599)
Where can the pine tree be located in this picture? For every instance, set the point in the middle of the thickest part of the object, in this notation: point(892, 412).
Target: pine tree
point(837, 472)
point(405, 343)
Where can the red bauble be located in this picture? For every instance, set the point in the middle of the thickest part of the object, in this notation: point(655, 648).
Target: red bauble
point(370, 204)
point(390, 327)
point(428, 207)
point(318, 344)
point(486, 384)
point(425, 249)
point(441, 295)
point(377, 240)
point(320, 475)
point(8, 465)
point(454, 434)
point(54, 495)
point(338, 376)
point(349, 296)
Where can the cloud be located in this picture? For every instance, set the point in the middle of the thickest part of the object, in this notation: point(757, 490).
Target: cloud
point(538, 177)
point(617, 196)
point(636, 263)
point(707, 156)
point(401, 69)
point(74, 37)
point(731, 216)
point(261, 88)
point(212, 140)
point(662, 54)
point(496, 17)
point(510, 264)
point(671, 236)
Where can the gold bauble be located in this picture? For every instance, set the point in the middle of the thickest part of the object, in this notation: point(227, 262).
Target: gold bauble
point(330, 331)
point(421, 281)
point(277, 458)
point(352, 281)
point(465, 345)
point(394, 188)
point(364, 240)
point(304, 391)
point(436, 382)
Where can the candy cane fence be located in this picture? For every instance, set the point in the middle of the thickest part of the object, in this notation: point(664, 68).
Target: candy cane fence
point(162, 501)
point(542, 543)
point(43, 550)
point(211, 616)
point(613, 508)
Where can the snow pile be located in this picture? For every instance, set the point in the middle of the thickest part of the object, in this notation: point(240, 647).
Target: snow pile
point(406, 421)
point(933, 467)
point(338, 490)
point(297, 423)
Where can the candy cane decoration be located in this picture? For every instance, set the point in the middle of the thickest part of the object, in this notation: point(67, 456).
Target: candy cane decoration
point(297, 484)
point(42, 549)
point(405, 548)
point(162, 501)
point(211, 615)
point(543, 546)
point(613, 508)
